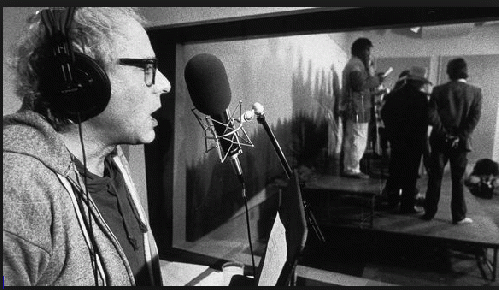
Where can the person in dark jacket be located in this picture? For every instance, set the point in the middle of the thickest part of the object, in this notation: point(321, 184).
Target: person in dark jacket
point(405, 115)
point(382, 134)
point(454, 111)
point(88, 81)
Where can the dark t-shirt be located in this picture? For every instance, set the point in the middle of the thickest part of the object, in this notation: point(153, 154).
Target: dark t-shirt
point(112, 199)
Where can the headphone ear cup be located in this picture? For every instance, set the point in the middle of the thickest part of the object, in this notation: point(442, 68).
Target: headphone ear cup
point(88, 94)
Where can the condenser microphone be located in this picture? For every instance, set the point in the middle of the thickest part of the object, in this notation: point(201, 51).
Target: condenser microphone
point(208, 86)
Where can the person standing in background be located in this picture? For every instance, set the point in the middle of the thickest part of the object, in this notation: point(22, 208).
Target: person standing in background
point(454, 111)
point(358, 80)
point(405, 115)
point(382, 131)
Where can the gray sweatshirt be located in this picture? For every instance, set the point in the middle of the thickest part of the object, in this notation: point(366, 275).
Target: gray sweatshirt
point(45, 241)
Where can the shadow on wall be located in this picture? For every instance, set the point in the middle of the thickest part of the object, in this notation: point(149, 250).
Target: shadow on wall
point(304, 142)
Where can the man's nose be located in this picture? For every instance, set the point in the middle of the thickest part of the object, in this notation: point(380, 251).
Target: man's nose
point(162, 85)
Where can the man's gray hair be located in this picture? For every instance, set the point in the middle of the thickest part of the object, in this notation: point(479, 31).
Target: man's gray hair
point(94, 32)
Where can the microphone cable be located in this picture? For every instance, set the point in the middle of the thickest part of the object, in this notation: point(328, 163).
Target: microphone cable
point(243, 185)
point(93, 250)
point(237, 168)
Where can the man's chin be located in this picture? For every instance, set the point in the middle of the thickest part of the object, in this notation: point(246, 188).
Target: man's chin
point(149, 138)
point(144, 139)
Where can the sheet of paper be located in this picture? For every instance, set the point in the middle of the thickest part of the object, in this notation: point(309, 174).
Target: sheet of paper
point(179, 274)
point(276, 255)
point(213, 279)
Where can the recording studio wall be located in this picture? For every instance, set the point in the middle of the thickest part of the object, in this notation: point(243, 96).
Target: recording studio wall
point(292, 77)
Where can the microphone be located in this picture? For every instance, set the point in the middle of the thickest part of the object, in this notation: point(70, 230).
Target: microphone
point(259, 112)
point(208, 86)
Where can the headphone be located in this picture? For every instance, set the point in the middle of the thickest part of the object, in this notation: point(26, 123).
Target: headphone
point(74, 84)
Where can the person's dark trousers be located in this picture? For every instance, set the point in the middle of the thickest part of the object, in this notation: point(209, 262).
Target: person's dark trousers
point(394, 180)
point(403, 169)
point(438, 160)
point(410, 170)
point(383, 142)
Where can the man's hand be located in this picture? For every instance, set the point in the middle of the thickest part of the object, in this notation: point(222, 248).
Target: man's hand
point(381, 76)
point(453, 141)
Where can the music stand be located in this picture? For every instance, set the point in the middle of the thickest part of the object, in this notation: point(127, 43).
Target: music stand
point(291, 217)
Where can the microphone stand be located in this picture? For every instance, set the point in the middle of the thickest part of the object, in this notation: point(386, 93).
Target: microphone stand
point(237, 169)
point(243, 185)
point(234, 160)
point(308, 212)
point(261, 120)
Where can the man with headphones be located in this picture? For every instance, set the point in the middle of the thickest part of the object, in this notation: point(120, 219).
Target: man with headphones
point(89, 83)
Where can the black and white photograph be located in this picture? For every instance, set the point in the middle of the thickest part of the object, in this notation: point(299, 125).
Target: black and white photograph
point(251, 146)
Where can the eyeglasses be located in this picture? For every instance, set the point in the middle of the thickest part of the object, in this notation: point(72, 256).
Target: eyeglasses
point(149, 65)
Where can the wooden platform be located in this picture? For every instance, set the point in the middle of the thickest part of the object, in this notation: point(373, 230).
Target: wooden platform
point(482, 234)
point(369, 186)
point(337, 199)
point(482, 231)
